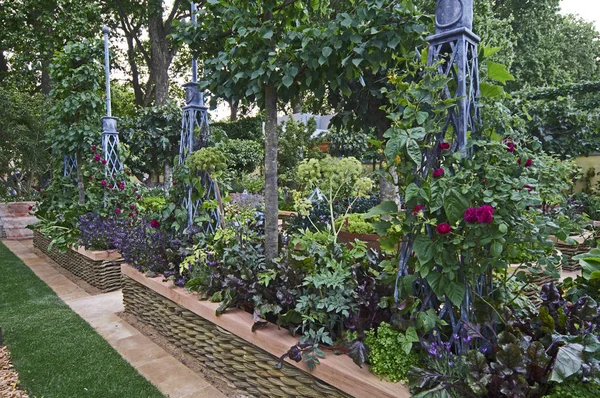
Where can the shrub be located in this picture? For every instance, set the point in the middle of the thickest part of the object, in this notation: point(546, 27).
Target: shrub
point(242, 155)
point(248, 128)
point(354, 223)
point(388, 355)
point(575, 390)
point(97, 232)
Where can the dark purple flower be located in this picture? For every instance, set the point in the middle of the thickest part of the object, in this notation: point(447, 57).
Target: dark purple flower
point(438, 173)
point(155, 224)
point(484, 214)
point(470, 215)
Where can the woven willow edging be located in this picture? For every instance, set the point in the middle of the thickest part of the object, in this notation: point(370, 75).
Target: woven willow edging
point(104, 274)
point(227, 345)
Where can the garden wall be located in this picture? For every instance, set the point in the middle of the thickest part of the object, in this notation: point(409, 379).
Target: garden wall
point(227, 345)
point(101, 269)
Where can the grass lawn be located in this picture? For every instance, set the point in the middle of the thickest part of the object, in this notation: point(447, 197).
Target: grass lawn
point(56, 353)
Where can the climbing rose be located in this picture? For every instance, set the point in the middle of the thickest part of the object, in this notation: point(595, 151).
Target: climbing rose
point(438, 173)
point(130, 214)
point(417, 209)
point(132, 207)
point(470, 215)
point(97, 157)
point(155, 224)
point(529, 162)
point(103, 183)
point(444, 146)
point(510, 146)
point(484, 214)
point(443, 229)
point(104, 162)
point(93, 147)
point(529, 187)
point(118, 211)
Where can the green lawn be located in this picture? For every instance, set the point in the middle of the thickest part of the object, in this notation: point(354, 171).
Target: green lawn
point(57, 354)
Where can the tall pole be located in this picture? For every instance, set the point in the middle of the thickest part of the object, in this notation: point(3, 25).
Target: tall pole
point(110, 135)
point(194, 59)
point(106, 31)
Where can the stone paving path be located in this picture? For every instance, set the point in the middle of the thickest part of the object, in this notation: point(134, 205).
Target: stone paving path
point(170, 376)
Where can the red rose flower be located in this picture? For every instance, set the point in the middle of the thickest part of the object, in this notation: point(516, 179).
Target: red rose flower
point(470, 215)
point(118, 211)
point(30, 208)
point(485, 181)
point(104, 162)
point(417, 209)
point(484, 214)
point(529, 162)
point(443, 229)
point(132, 207)
point(103, 183)
point(510, 146)
point(97, 157)
point(93, 147)
point(130, 214)
point(529, 187)
point(155, 224)
point(127, 172)
point(444, 146)
point(91, 178)
point(438, 173)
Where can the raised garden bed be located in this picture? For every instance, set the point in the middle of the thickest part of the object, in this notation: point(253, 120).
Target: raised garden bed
point(227, 345)
point(572, 250)
point(101, 269)
point(371, 240)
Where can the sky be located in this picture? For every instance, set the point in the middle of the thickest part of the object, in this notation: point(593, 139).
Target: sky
point(587, 9)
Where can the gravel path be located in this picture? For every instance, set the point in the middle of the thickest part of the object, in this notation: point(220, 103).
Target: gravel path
point(9, 380)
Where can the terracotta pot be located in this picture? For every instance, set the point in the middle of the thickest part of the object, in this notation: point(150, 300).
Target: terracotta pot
point(372, 240)
point(324, 147)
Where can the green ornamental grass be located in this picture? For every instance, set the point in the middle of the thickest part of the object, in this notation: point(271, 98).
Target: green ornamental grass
point(56, 353)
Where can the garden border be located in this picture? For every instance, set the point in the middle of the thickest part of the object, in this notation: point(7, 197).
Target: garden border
point(226, 344)
point(99, 268)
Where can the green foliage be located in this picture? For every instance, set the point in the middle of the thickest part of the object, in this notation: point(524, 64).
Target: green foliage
point(346, 143)
point(24, 156)
point(242, 155)
point(152, 135)
point(390, 353)
point(354, 223)
point(248, 128)
point(575, 390)
point(295, 144)
point(209, 160)
point(77, 94)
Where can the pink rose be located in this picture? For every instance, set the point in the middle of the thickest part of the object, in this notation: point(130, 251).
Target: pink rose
point(104, 162)
point(93, 147)
point(529, 162)
point(118, 211)
point(97, 157)
point(438, 173)
point(443, 229)
point(484, 214)
point(470, 215)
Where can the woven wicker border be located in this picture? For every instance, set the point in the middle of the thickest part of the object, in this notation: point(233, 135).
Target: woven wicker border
point(103, 274)
point(571, 251)
point(249, 368)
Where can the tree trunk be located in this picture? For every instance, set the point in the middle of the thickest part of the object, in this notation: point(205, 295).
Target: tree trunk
point(168, 177)
point(45, 82)
point(271, 193)
point(233, 106)
point(80, 186)
point(159, 52)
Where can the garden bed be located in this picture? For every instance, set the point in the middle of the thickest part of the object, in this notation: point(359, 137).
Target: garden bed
point(573, 250)
point(101, 269)
point(227, 345)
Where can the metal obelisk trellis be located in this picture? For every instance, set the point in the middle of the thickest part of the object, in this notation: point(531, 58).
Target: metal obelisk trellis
point(194, 133)
point(70, 164)
point(454, 50)
point(110, 135)
point(456, 46)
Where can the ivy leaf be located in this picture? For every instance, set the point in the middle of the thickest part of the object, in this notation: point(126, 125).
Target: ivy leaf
point(568, 362)
point(359, 352)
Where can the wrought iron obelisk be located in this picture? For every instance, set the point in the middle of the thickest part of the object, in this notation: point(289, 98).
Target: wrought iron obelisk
point(455, 45)
point(110, 135)
point(194, 133)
